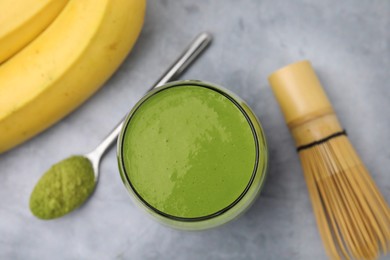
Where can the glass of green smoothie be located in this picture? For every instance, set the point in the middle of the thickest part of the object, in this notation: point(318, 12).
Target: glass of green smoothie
point(192, 154)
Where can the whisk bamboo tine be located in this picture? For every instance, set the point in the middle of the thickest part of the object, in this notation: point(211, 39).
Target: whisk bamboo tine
point(379, 215)
point(320, 166)
point(380, 208)
point(355, 160)
point(361, 227)
point(354, 174)
point(367, 178)
point(338, 208)
point(325, 225)
point(319, 213)
point(331, 192)
point(352, 216)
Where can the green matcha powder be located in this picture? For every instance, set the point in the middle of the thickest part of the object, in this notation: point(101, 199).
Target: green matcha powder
point(63, 188)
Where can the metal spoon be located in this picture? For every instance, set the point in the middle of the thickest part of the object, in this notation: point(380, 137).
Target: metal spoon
point(195, 48)
point(46, 202)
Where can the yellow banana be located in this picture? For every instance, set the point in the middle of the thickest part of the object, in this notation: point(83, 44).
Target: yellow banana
point(65, 65)
point(22, 20)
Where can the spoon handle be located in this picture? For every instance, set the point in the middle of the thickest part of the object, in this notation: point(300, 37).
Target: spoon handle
point(192, 52)
point(177, 68)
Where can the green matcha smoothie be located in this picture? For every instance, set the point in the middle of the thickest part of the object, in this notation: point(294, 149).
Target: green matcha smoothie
point(189, 152)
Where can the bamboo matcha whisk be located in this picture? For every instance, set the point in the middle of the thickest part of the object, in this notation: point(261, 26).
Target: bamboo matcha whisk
point(352, 216)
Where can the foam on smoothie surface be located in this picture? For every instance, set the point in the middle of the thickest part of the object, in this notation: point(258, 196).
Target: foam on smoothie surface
point(189, 151)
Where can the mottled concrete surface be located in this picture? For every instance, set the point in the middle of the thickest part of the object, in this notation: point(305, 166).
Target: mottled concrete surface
point(349, 45)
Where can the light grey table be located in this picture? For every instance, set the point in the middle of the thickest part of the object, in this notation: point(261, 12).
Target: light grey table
point(347, 41)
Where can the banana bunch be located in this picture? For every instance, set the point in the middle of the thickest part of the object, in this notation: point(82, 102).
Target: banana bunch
point(22, 21)
point(84, 43)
